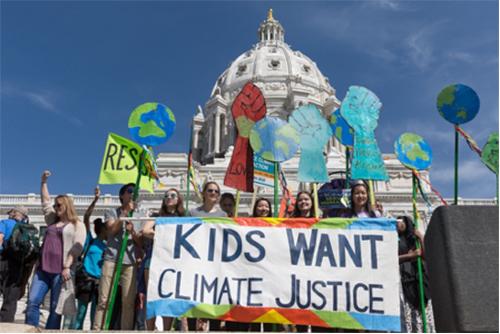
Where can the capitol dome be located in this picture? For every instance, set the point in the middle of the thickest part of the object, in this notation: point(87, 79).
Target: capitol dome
point(287, 78)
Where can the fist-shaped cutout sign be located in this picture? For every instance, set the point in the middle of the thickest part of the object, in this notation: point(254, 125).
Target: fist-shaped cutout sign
point(360, 108)
point(248, 107)
point(314, 131)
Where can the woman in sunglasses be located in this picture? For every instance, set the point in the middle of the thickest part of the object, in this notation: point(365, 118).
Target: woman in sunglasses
point(210, 207)
point(172, 205)
point(62, 245)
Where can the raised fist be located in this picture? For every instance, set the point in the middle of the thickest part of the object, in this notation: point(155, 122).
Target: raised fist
point(45, 175)
point(97, 192)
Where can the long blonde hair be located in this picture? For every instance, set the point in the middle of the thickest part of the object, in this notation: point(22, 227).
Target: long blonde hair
point(69, 208)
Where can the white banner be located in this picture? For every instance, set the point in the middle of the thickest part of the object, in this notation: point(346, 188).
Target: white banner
point(344, 273)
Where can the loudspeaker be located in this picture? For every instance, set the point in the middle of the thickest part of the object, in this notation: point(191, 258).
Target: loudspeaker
point(461, 252)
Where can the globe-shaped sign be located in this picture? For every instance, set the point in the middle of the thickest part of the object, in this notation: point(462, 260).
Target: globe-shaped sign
point(458, 103)
point(413, 151)
point(151, 124)
point(274, 139)
point(489, 154)
point(341, 129)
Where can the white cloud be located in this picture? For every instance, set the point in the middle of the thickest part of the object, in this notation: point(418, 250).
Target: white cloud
point(432, 132)
point(475, 179)
point(387, 4)
point(44, 100)
point(462, 56)
point(41, 100)
point(420, 50)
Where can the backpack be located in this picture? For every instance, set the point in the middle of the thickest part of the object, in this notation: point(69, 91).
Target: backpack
point(24, 243)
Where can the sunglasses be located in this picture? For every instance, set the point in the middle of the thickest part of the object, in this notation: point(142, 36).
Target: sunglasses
point(171, 195)
point(130, 190)
point(57, 205)
point(211, 191)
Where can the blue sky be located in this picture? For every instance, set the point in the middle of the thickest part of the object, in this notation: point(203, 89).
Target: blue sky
point(72, 71)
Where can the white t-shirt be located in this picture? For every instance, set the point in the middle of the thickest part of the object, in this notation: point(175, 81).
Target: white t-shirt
point(199, 212)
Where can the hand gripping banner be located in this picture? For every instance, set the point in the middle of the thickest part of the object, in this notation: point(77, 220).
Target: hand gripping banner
point(335, 272)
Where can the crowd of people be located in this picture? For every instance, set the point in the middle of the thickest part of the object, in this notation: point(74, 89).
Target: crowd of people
point(72, 262)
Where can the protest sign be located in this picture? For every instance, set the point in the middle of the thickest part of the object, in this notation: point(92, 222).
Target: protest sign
point(314, 132)
point(333, 195)
point(340, 273)
point(489, 154)
point(413, 151)
point(274, 139)
point(248, 107)
point(151, 124)
point(360, 108)
point(120, 163)
point(458, 103)
point(263, 172)
point(341, 129)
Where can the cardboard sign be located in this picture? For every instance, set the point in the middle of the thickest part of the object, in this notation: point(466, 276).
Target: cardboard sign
point(360, 108)
point(458, 103)
point(340, 273)
point(333, 195)
point(341, 129)
point(413, 151)
point(489, 154)
point(151, 124)
point(314, 133)
point(274, 139)
point(248, 107)
point(263, 172)
point(120, 163)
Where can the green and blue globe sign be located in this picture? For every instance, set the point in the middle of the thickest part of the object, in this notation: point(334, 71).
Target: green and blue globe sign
point(274, 139)
point(413, 151)
point(458, 103)
point(151, 124)
point(341, 129)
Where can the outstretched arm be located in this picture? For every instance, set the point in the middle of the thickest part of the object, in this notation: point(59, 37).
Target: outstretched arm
point(48, 212)
point(44, 190)
point(90, 209)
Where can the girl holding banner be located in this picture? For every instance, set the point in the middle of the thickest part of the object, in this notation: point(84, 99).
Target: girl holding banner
point(360, 204)
point(210, 208)
point(262, 208)
point(172, 206)
point(304, 206)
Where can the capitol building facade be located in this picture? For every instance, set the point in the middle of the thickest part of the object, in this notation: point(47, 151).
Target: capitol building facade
point(287, 79)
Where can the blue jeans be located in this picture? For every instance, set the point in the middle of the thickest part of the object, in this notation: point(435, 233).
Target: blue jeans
point(42, 283)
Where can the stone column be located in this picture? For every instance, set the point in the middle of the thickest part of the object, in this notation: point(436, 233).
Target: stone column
point(210, 137)
point(196, 135)
point(217, 133)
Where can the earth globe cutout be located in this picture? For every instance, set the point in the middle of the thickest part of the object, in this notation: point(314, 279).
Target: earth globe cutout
point(151, 124)
point(341, 129)
point(413, 151)
point(458, 103)
point(274, 139)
